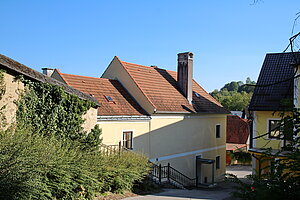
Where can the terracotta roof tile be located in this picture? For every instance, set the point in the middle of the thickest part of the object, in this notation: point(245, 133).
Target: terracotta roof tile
point(233, 147)
point(237, 130)
point(160, 87)
point(35, 75)
point(122, 103)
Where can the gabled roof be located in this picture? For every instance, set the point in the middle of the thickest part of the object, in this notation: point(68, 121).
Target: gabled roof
point(114, 98)
point(277, 72)
point(21, 69)
point(237, 130)
point(161, 88)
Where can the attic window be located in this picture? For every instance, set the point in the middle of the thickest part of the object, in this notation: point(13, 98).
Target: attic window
point(110, 99)
point(197, 94)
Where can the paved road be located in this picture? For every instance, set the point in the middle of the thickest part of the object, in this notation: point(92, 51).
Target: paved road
point(178, 194)
point(239, 170)
point(222, 191)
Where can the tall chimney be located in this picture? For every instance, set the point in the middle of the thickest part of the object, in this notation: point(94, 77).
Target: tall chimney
point(185, 74)
point(47, 71)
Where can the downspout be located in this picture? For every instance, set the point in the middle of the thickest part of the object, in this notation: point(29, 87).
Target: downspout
point(149, 138)
point(251, 133)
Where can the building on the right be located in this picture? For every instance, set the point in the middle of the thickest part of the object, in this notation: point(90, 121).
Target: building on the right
point(275, 94)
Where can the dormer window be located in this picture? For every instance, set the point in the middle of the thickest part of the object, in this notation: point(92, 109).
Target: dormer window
point(109, 98)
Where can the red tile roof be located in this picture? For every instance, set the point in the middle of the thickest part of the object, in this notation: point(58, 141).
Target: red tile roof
point(161, 89)
point(237, 130)
point(233, 147)
point(101, 88)
point(20, 69)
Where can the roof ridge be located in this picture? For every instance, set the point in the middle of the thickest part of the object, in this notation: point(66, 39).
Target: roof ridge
point(38, 76)
point(85, 76)
point(205, 94)
point(61, 75)
point(137, 83)
point(156, 67)
point(283, 53)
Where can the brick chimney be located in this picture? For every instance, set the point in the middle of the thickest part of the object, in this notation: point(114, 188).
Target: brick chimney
point(185, 74)
point(47, 71)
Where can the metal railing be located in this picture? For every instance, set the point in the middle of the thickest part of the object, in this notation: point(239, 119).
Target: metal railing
point(158, 173)
point(170, 174)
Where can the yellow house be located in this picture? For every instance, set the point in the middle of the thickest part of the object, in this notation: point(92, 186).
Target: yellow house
point(12, 88)
point(164, 114)
point(277, 90)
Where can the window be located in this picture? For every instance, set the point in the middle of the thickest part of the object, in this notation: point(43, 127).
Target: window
point(109, 98)
point(218, 162)
point(274, 129)
point(218, 131)
point(127, 139)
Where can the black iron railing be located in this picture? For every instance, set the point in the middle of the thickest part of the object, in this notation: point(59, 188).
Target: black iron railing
point(169, 174)
point(158, 173)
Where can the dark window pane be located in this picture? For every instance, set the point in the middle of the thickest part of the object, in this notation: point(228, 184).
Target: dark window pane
point(218, 162)
point(127, 139)
point(218, 131)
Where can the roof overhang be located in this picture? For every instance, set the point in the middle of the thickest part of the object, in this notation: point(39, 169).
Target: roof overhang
point(205, 161)
point(268, 152)
point(122, 118)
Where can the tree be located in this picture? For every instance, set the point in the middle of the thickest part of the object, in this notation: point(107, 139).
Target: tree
point(235, 95)
point(282, 180)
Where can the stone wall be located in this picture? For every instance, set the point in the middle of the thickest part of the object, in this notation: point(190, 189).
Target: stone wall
point(13, 89)
point(12, 92)
point(90, 119)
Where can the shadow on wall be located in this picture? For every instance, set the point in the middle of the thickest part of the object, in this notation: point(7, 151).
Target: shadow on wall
point(174, 136)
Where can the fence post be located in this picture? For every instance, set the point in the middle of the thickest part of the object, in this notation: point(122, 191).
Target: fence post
point(159, 174)
point(120, 146)
point(168, 173)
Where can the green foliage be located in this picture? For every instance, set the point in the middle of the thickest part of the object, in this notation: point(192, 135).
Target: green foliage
point(3, 121)
point(93, 139)
point(279, 183)
point(242, 156)
point(38, 167)
point(123, 170)
point(49, 110)
point(235, 95)
point(49, 156)
point(2, 84)
point(33, 166)
point(281, 178)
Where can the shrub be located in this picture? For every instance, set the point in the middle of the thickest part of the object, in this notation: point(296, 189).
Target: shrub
point(241, 156)
point(33, 166)
point(122, 170)
point(36, 167)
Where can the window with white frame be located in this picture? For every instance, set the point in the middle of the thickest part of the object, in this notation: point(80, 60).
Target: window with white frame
point(128, 139)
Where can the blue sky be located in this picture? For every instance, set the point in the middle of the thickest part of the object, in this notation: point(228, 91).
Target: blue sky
point(229, 39)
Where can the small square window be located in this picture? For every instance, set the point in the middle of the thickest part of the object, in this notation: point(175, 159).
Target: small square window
point(218, 131)
point(218, 162)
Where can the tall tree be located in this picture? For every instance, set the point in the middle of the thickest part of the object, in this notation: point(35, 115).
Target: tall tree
point(235, 95)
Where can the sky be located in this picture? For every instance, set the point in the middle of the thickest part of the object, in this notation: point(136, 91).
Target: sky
point(229, 39)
